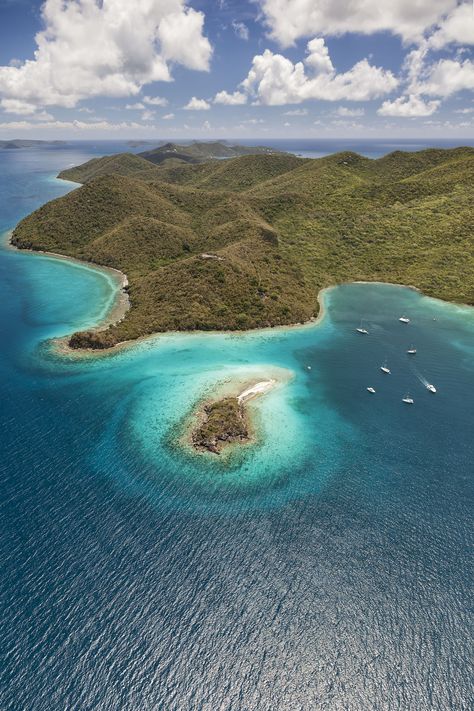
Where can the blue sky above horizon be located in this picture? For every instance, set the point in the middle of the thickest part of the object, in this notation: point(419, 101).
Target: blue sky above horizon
point(275, 68)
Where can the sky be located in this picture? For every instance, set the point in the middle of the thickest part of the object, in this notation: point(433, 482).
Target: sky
point(236, 69)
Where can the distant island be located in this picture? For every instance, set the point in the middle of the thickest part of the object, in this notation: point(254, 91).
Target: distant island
point(26, 143)
point(248, 242)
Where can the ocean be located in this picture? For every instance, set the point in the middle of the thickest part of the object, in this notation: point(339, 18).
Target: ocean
point(328, 567)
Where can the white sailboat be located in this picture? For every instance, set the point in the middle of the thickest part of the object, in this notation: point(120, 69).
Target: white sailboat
point(371, 390)
point(408, 400)
point(411, 350)
point(362, 330)
point(404, 319)
point(385, 369)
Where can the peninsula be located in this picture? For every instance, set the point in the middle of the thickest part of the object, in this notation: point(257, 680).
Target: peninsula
point(249, 242)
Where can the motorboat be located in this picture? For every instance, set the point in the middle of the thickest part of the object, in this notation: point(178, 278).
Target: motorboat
point(385, 369)
point(411, 350)
point(408, 400)
point(430, 387)
point(404, 319)
point(371, 390)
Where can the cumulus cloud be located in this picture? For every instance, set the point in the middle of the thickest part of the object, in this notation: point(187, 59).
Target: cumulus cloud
point(240, 29)
point(71, 125)
point(289, 20)
point(107, 48)
point(138, 106)
point(296, 112)
point(168, 117)
point(456, 28)
point(447, 77)
point(15, 106)
point(274, 79)
point(223, 97)
point(155, 101)
point(148, 115)
point(196, 104)
point(344, 111)
point(408, 107)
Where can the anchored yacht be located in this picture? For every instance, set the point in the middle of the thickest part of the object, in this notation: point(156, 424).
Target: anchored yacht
point(411, 350)
point(385, 369)
point(371, 390)
point(408, 400)
point(404, 319)
point(362, 330)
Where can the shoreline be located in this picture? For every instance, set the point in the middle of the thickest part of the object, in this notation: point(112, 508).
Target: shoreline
point(122, 305)
point(121, 301)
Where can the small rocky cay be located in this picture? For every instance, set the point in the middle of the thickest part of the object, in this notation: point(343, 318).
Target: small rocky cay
point(226, 421)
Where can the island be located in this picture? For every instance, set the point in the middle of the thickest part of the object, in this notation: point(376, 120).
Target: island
point(225, 421)
point(17, 143)
point(249, 241)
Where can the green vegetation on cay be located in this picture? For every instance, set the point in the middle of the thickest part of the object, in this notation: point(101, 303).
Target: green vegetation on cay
point(224, 421)
point(249, 242)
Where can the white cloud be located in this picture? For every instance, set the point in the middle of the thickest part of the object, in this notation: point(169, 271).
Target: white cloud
point(240, 29)
point(179, 32)
point(457, 28)
point(196, 104)
point(15, 106)
point(346, 124)
point(344, 111)
point(286, 124)
point(408, 107)
point(448, 76)
point(148, 115)
point(132, 46)
point(135, 107)
point(155, 101)
point(289, 20)
point(71, 125)
point(223, 97)
point(206, 126)
point(43, 116)
point(168, 117)
point(296, 112)
point(274, 80)
point(467, 110)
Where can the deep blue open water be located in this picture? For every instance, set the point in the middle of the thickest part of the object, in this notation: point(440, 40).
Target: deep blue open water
point(329, 567)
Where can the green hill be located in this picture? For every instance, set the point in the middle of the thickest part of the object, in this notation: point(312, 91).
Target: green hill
point(173, 156)
point(249, 242)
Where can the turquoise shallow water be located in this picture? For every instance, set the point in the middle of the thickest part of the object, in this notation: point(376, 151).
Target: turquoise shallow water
point(326, 567)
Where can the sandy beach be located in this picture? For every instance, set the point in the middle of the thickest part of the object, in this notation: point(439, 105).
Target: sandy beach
point(258, 389)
